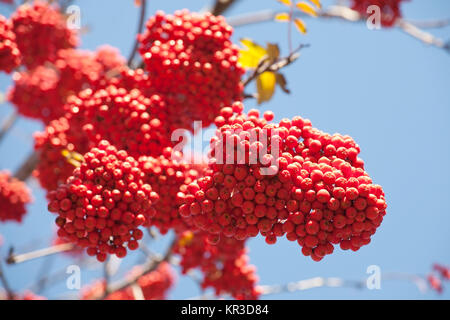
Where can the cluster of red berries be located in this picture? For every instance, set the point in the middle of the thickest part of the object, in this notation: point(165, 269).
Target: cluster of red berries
point(284, 179)
point(55, 145)
point(225, 265)
point(41, 30)
point(169, 176)
point(390, 9)
point(192, 62)
point(14, 195)
point(41, 93)
point(153, 285)
point(438, 276)
point(126, 118)
point(9, 53)
point(103, 204)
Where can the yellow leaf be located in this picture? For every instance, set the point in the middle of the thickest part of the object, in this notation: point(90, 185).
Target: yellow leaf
point(282, 17)
point(253, 46)
point(286, 2)
point(317, 3)
point(77, 156)
point(186, 239)
point(307, 8)
point(74, 162)
point(72, 157)
point(300, 25)
point(65, 153)
point(265, 85)
point(250, 57)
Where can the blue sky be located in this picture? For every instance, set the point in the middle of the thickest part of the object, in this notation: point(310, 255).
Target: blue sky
point(384, 88)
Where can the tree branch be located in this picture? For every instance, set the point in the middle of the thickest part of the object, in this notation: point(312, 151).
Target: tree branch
point(27, 167)
point(139, 30)
point(330, 282)
point(431, 24)
point(273, 66)
point(7, 124)
point(19, 258)
point(4, 281)
point(220, 6)
point(347, 14)
point(319, 282)
point(148, 267)
point(423, 36)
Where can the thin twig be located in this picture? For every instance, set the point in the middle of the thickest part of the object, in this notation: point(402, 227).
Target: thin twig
point(291, 15)
point(344, 13)
point(148, 267)
point(423, 36)
point(267, 65)
point(431, 24)
point(107, 276)
point(58, 276)
point(27, 167)
point(7, 124)
point(19, 258)
point(139, 30)
point(220, 6)
point(330, 282)
point(319, 282)
point(44, 269)
point(4, 281)
point(136, 290)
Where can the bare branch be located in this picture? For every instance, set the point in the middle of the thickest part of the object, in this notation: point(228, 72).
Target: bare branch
point(60, 275)
point(431, 24)
point(4, 281)
point(423, 36)
point(330, 282)
point(107, 276)
point(27, 167)
point(274, 66)
point(347, 14)
point(139, 30)
point(19, 258)
point(148, 267)
point(220, 6)
point(7, 124)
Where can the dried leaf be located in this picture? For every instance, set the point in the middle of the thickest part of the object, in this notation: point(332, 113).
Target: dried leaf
point(316, 3)
point(307, 8)
point(300, 25)
point(282, 17)
point(265, 85)
point(250, 57)
point(281, 81)
point(273, 52)
point(286, 2)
